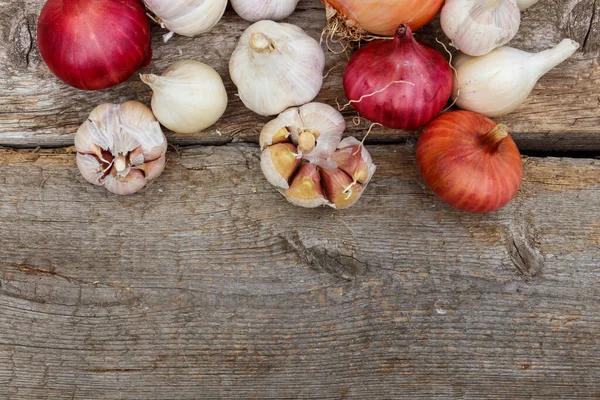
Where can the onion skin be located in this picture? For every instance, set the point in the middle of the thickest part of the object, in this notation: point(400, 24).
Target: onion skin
point(402, 105)
point(470, 162)
point(382, 17)
point(94, 44)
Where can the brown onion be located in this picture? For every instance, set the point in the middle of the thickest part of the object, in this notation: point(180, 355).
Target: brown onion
point(381, 17)
point(470, 162)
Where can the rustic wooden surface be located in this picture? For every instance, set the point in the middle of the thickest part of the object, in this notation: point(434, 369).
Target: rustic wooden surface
point(209, 284)
point(37, 110)
point(193, 289)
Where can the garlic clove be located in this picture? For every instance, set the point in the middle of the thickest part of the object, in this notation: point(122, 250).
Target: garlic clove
point(153, 169)
point(339, 188)
point(133, 182)
point(276, 66)
point(305, 190)
point(277, 130)
point(477, 27)
point(90, 168)
point(189, 97)
point(279, 163)
point(353, 158)
point(499, 82)
point(258, 10)
point(188, 17)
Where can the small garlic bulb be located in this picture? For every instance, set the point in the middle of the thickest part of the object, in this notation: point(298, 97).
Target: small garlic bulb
point(305, 158)
point(120, 147)
point(188, 17)
point(276, 66)
point(477, 27)
point(188, 97)
point(258, 10)
point(499, 82)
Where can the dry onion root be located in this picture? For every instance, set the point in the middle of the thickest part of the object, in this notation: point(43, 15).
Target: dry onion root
point(305, 157)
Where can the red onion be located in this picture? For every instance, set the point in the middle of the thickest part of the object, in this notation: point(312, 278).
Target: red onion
point(470, 162)
point(94, 44)
point(399, 83)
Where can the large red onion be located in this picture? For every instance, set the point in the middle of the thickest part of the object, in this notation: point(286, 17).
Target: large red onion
point(372, 81)
point(94, 44)
point(469, 161)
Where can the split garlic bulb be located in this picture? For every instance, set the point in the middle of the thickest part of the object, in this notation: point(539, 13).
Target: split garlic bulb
point(188, 17)
point(477, 27)
point(276, 66)
point(188, 97)
point(499, 82)
point(120, 147)
point(304, 156)
point(258, 10)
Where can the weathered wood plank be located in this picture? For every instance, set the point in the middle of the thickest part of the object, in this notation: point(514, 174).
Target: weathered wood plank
point(207, 283)
point(37, 110)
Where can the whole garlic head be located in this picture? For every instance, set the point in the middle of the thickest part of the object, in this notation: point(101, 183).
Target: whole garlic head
point(477, 27)
point(258, 10)
point(304, 157)
point(188, 17)
point(276, 66)
point(121, 147)
point(188, 97)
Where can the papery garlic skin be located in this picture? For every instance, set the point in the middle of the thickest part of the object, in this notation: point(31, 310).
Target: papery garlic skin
point(477, 27)
point(188, 17)
point(258, 10)
point(276, 66)
point(525, 4)
point(189, 97)
point(121, 147)
point(499, 82)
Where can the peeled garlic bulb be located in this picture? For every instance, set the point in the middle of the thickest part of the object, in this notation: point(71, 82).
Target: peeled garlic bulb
point(120, 147)
point(499, 82)
point(188, 17)
point(188, 97)
point(477, 27)
point(305, 157)
point(276, 66)
point(525, 4)
point(258, 10)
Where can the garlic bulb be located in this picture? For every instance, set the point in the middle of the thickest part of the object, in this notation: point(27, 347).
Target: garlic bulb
point(188, 17)
point(258, 10)
point(188, 97)
point(477, 27)
point(499, 82)
point(525, 4)
point(305, 158)
point(276, 66)
point(120, 147)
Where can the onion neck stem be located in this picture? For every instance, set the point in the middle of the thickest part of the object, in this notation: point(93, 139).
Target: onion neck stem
point(496, 136)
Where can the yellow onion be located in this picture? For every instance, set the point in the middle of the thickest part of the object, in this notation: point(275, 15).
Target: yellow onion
point(381, 17)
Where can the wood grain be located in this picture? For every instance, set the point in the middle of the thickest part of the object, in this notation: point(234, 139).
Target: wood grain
point(37, 110)
point(209, 284)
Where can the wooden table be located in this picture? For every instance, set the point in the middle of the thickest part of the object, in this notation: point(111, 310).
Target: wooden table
point(208, 283)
